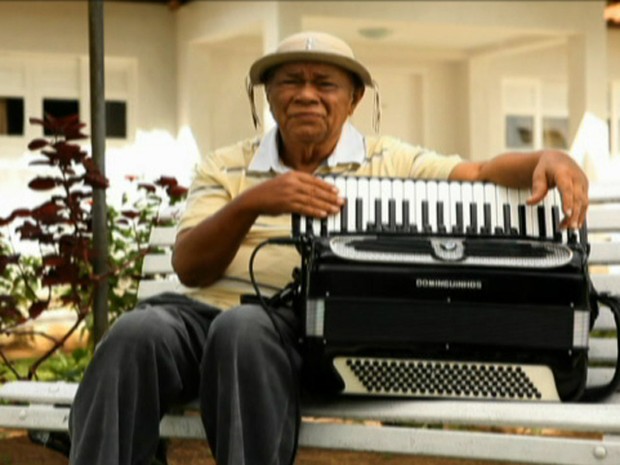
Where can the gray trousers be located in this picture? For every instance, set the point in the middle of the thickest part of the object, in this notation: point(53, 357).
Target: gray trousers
point(171, 350)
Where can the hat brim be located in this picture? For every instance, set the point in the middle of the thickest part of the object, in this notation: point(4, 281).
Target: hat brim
point(260, 67)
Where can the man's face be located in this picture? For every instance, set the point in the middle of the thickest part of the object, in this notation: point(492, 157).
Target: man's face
point(311, 101)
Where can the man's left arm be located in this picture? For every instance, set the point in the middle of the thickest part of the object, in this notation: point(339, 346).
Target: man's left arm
point(541, 170)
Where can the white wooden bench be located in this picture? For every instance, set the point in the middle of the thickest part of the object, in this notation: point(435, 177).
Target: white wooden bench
point(492, 430)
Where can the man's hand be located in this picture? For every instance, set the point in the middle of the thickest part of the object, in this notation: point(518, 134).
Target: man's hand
point(556, 169)
point(296, 192)
point(542, 170)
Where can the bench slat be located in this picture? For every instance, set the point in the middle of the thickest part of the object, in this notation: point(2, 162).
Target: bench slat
point(604, 253)
point(604, 192)
point(157, 264)
point(607, 283)
point(149, 288)
point(603, 350)
point(163, 236)
point(394, 439)
point(460, 444)
point(604, 218)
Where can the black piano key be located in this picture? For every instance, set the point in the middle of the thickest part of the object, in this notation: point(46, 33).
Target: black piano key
point(295, 224)
point(344, 216)
point(309, 222)
point(392, 215)
point(324, 231)
point(359, 215)
point(459, 226)
point(583, 236)
point(522, 220)
point(542, 225)
point(555, 216)
point(426, 227)
point(571, 235)
point(441, 225)
point(405, 226)
point(473, 219)
point(377, 225)
point(486, 228)
point(507, 220)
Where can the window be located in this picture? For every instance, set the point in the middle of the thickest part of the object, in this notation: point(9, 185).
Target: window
point(520, 132)
point(11, 116)
point(555, 132)
point(535, 114)
point(59, 108)
point(116, 119)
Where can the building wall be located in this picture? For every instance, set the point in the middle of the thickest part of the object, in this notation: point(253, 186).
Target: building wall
point(456, 97)
point(44, 52)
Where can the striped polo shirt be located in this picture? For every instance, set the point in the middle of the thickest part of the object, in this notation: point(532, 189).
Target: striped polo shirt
point(225, 173)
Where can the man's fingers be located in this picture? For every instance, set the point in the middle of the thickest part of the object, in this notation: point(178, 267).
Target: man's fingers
point(540, 186)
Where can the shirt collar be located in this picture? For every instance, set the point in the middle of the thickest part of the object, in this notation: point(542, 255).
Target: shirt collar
point(351, 148)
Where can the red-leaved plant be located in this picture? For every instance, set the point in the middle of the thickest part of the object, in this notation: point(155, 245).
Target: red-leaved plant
point(62, 275)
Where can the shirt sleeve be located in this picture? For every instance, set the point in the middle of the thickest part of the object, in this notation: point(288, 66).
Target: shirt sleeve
point(208, 193)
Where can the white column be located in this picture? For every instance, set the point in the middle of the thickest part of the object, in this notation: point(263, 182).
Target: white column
point(587, 94)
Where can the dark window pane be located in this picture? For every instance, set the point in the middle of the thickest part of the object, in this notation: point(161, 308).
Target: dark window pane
point(116, 119)
point(11, 116)
point(59, 108)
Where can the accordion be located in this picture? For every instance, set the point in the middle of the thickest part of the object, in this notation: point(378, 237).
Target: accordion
point(444, 289)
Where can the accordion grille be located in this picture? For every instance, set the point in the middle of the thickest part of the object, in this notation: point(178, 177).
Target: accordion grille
point(445, 379)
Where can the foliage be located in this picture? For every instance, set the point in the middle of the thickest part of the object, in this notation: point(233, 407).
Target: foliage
point(62, 275)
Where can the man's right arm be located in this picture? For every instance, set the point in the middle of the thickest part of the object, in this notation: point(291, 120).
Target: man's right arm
point(202, 253)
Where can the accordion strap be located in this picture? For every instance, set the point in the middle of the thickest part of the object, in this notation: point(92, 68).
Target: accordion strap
point(597, 393)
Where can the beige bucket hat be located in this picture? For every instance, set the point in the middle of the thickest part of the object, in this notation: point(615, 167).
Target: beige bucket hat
point(310, 46)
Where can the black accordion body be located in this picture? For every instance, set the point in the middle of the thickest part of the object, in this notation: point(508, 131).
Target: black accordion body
point(444, 289)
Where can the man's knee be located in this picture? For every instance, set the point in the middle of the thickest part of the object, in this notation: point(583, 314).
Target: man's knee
point(243, 328)
point(136, 330)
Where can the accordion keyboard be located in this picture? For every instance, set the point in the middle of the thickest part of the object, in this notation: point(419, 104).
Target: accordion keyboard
point(423, 207)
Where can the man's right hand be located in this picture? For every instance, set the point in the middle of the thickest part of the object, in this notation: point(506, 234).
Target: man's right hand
point(296, 192)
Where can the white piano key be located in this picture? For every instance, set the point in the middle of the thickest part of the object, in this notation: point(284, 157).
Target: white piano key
point(363, 194)
point(331, 219)
point(351, 192)
point(432, 197)
point(513, 200)
point(386, 195)
point(557, 197)
point(478, 196)
point(409, 195)
point(341, 184)
point(374, 189)
point(397, 195)
point(420, 196)
point(443, 195)
point(530, 213)
point(490, 197)
point(501, 198)
point(467, 197)
point(548, 202)
point(456, 196)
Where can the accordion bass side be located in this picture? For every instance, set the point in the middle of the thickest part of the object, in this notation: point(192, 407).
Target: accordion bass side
point(447, 315)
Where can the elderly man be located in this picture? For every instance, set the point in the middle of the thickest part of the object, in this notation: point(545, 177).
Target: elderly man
point(242, 363)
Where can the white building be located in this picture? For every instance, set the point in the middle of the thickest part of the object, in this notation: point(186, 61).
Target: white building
point(475, 78)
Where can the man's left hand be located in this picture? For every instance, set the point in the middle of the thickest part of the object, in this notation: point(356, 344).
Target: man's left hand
point(556, 169)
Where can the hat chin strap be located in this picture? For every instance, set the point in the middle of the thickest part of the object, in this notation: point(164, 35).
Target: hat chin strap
point(250, 91)
point(376, 110)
